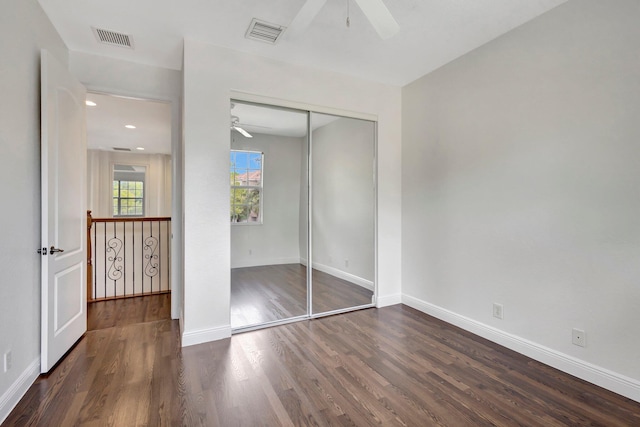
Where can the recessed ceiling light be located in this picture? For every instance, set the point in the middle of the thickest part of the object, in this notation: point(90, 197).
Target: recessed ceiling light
point(139, 148)
point(90, 103)
point(130, 126)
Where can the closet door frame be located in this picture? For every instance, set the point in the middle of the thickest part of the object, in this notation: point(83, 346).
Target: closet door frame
point(267, 102)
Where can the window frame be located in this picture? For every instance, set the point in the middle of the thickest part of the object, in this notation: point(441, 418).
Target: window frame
point(259, 188)
point(119, 198)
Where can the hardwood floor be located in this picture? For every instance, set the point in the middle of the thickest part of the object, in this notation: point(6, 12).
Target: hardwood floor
point(389, 366)
point(128, 311)
point(275, 292)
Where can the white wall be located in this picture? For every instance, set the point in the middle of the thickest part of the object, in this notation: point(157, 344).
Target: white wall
point(343, 200)
point(210, 74)
point(276, 240)
point(520, 186)
point(118, 77)
point(100, 181)
point(25, 30)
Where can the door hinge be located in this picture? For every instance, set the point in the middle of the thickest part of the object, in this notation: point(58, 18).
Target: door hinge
point(42, 251)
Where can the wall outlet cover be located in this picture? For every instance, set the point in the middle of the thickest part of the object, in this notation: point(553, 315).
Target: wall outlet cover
point(578, 337)
point(8, 361)
point(497, 310)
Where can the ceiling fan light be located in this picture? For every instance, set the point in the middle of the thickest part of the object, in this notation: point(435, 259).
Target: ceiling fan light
point(243, 132)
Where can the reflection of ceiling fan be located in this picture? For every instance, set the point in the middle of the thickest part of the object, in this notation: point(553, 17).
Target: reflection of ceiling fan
point(375, 11)
point(235, 125)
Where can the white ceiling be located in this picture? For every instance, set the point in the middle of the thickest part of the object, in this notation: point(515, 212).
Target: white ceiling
point(432, 32)
point(107, 120)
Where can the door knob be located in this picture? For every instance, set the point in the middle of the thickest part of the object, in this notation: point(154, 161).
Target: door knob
point(53, 250)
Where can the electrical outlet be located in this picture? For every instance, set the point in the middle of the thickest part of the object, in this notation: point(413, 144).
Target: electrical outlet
point(346, 263)
point(579, 337)
point(8, 361)
point(497, 310)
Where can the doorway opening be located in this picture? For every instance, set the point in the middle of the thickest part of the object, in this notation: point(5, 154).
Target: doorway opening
point(129, 201)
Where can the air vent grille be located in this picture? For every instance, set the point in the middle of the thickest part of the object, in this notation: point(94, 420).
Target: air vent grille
point(264, 31)
point(121, 149)
point(113, 38)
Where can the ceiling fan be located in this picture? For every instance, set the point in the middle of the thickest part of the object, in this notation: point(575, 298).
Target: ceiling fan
point(235, 121)
point(375, 11)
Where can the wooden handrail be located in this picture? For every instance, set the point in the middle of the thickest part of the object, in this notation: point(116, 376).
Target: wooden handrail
point(89, 257)
point(134, 219)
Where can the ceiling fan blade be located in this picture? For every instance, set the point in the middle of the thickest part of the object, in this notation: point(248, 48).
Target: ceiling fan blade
point(380, 17)
point(242, 131)
point(253, 126)
point(304, 17)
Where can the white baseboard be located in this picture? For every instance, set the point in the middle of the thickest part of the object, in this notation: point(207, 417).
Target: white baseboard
point(256, 262)
point(18, 389)
point(387, 300)
point(597, 375)
point(352, 278)
point(205, 335)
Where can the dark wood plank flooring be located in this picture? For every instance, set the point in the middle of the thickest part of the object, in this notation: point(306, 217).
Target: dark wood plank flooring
point(390, 366)
point(128, 311)
point(275, 292)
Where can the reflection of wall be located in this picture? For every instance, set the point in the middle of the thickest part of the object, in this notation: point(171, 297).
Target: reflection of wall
point(99, 185)
point(276, 240)
point(304, 204)
point(343, 200)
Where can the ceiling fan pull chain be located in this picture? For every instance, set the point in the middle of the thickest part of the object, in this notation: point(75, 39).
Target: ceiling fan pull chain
point(348, 19)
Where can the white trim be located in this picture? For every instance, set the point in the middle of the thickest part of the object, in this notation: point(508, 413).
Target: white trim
point(367, 284)
point(387, 300)
point(256, 262)
point(602, 377)
point(18, 389)
point(205, 335)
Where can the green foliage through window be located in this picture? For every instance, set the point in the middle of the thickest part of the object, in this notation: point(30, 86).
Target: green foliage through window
point(245, 176)
point(128, 198)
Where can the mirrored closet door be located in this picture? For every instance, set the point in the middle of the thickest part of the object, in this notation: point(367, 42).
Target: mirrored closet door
point(268, 186)
point(298, 199)
point(343, 212)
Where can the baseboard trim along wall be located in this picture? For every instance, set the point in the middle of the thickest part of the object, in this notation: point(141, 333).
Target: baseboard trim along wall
point(254, 262)
point(352, 278)
point(205, 335)
point(367, 284)
point(387, 300)
point(597, 375)
point(18, 389)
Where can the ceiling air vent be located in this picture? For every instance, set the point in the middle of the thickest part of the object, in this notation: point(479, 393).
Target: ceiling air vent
point(113, 38)
point(264, 31)
point(121, 149)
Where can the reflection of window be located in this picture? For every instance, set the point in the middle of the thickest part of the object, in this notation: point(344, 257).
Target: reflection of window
point(128, 190)
point(246, 186)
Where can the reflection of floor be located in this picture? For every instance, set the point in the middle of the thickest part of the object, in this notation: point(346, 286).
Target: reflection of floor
point(274, 292)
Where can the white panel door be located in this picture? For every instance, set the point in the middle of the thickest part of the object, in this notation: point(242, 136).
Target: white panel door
point(63, 155)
